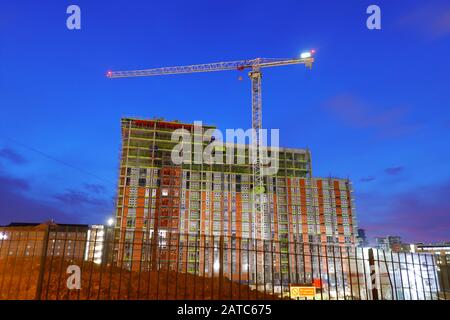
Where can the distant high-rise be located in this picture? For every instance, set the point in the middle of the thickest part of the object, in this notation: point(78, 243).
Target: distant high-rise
point(393, 243)
point(361, 238)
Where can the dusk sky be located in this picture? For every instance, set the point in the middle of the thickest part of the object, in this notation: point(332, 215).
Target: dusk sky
point(374, 108)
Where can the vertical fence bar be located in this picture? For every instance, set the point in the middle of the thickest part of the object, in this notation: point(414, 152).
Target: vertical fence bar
point(436, 274)
point(102, 261)
point(141, 262)
point(289, 268)
point(55, 241)
point(271, 267)
point(5, 268)
point(91, 262)
point(122, 245)
point(357, 274)
point(233, 242)
point(303, 253)
point(178, 265)
point(421, 277)
point(281, 269)
point(335, 271)
point(248, 268)
point(2, 240)
point(311, 258)
point(112, 253)
point(401, 275)
point(239, 241)
point(30, 274)
point(256, 267)
point(389, 275)
point(42, 264)
point(296, 262)
point(63, 256)
point(221, 267)
point(158, 251)
point(169, 263)
point(328, 271)
point(264, 267)
point(319, 258)
point(195, 265)
point(365, 275)
point(407, 276)
point(380, 274)
point(11, 278)
point(213, 249)
point(394, 289)
point(349, 274)
point(130, 266)
point(428, 276)
point(373, 275)
point(342, 271)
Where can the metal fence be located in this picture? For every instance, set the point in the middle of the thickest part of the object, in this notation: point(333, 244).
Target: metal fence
point(44, 264)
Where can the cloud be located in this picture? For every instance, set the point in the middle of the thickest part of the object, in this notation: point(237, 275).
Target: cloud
point(367, 179)
point(419, 215)
point(12, 156)
point(95, 188)
point(14, 183)
point(16, 206)
point(78, 198)
point(431, 21)
point(354, 112)
point(394, 170)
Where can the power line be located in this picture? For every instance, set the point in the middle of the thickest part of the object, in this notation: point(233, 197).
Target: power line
point(46, 155)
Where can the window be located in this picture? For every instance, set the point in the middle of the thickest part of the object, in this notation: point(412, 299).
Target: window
point(165, 192)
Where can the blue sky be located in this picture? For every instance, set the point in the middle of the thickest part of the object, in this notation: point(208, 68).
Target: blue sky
point(374, 108)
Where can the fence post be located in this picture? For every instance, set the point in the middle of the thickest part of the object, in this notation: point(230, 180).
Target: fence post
point(372, 275)
point(221, 267)
point(42, 263)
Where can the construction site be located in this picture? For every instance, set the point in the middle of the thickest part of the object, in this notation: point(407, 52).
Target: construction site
point(210, 230)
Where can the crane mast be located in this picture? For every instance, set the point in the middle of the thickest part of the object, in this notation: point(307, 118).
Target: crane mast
point(258, 216)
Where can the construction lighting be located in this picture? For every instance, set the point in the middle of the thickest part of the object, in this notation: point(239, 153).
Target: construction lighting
point(216, 266)
point(3, 236)
point(306, 55)
point(110, 221)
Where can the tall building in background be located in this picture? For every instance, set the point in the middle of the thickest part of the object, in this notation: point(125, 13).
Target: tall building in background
point(157, 198)
point(361, 238)
point(387, 243)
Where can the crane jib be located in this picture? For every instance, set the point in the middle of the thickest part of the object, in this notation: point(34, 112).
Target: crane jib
point(210, 67)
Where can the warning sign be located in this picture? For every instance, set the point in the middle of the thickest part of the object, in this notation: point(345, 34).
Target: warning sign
point(302, 291)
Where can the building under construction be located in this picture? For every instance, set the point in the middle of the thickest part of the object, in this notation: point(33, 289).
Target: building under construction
point(157, 200)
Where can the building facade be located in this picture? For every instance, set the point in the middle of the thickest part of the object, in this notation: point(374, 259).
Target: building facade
point(388, 243)
point(75, 242)
point(157, 198)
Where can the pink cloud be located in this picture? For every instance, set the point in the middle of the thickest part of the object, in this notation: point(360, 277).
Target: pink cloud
point(354, 112)
point(420, 215)
point(431, 21)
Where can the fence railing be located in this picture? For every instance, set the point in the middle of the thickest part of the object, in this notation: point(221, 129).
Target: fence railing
point(107, 264)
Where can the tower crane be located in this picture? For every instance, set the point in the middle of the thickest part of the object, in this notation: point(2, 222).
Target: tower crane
point(255, 74)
